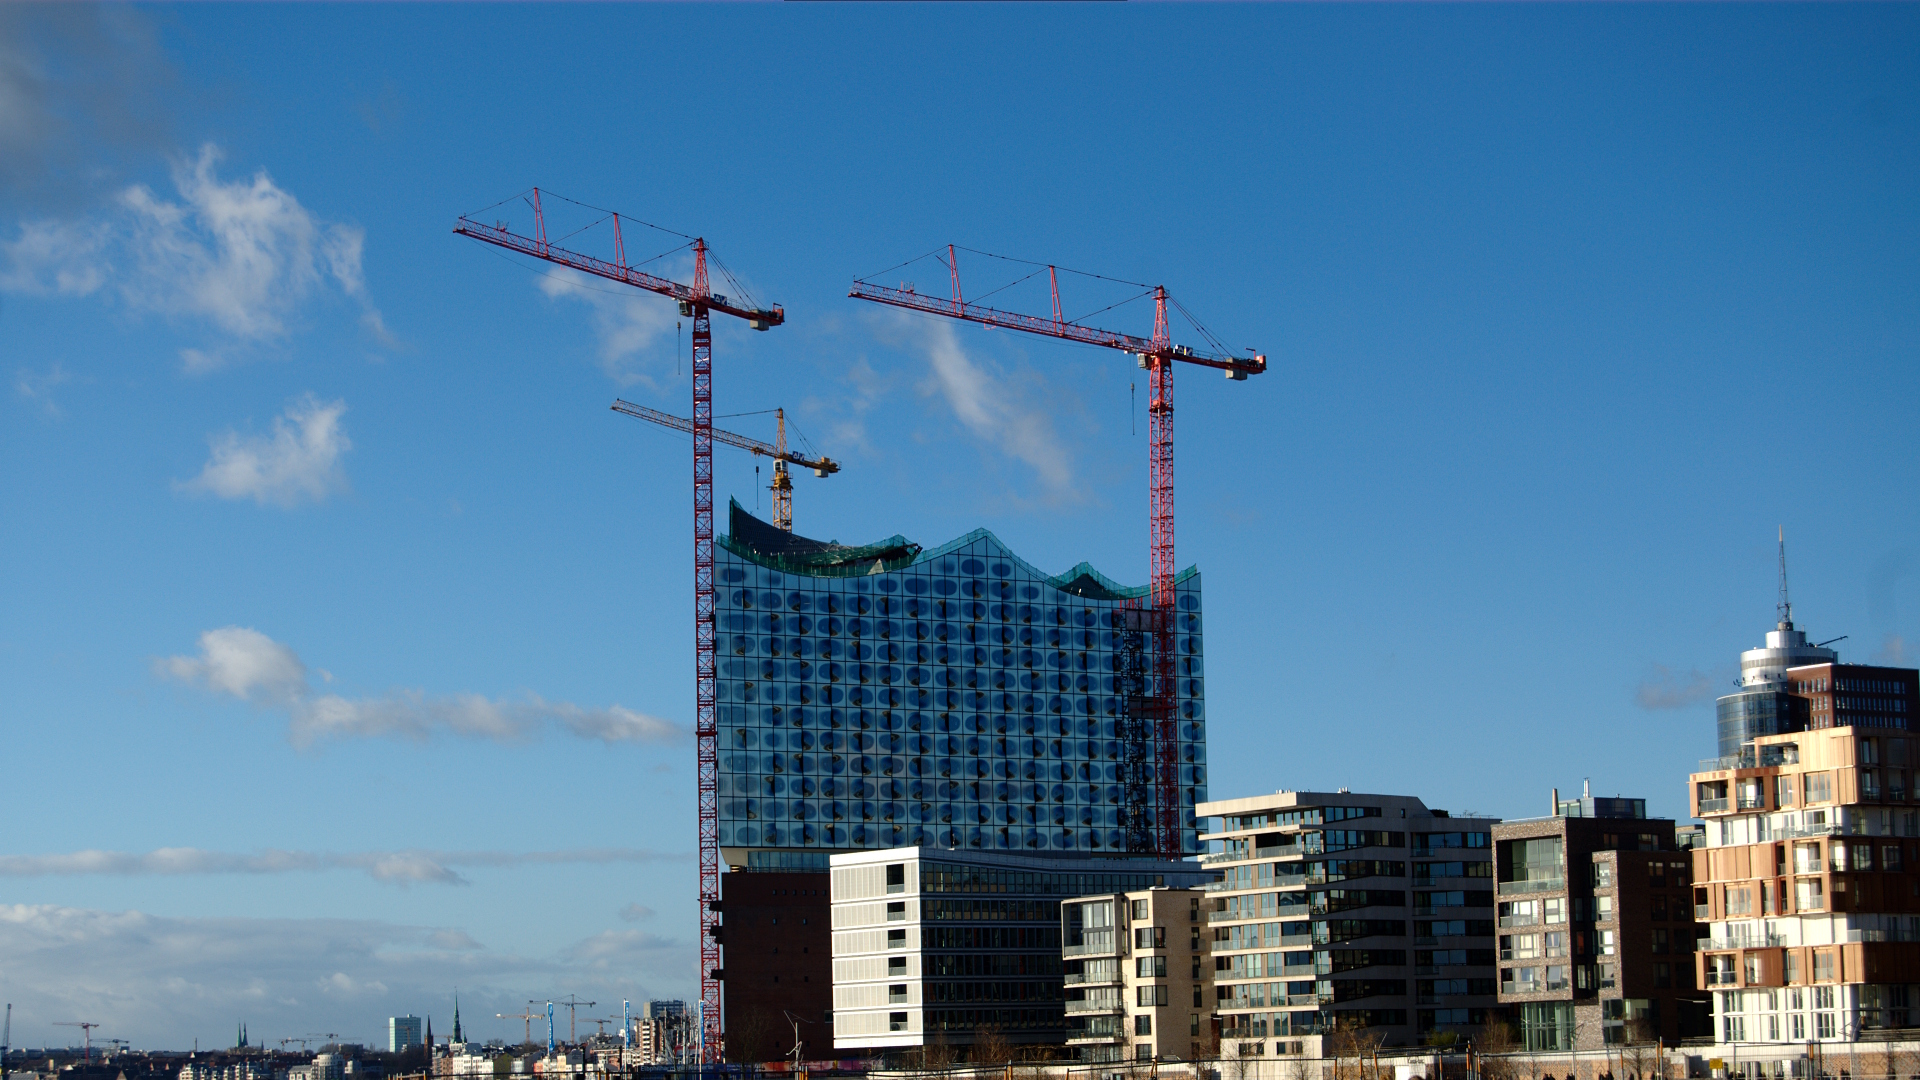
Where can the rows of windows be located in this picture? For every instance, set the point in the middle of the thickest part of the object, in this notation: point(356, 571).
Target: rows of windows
point(962, 699)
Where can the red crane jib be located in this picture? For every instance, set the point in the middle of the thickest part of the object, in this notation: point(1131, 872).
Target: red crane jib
point(1035, 324)
point(501, 236)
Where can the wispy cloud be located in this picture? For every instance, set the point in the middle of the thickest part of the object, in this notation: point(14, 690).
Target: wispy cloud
point(242, 255)
point(393, 867)
point(994, 406)
point(628, 324)
point(298, 462)
point(164, 979)
point(243, 663)
point(38, 386)
point(1665, 688)
point(636, 913)
point(1894, 650)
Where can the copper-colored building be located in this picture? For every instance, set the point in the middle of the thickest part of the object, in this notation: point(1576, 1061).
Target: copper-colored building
point(779, 949)
point(1807, 877)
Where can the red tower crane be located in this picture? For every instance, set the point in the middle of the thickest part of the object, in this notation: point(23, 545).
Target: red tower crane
point(1156, 354)
point(697, 302)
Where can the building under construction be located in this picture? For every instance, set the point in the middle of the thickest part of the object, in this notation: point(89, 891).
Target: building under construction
point(881, 695)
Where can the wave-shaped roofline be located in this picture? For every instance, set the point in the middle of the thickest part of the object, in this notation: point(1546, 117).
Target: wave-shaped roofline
point(1082, 579)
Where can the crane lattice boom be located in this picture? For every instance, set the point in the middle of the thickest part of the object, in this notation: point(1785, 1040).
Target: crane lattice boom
point(822, 465)
point(697, 302)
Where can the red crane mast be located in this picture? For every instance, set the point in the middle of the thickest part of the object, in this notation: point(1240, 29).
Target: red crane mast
point(1158, 355)
point(697, 302)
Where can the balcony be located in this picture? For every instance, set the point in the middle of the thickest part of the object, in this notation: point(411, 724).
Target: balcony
point(1095, 1005)
point(1715, 806)
point(1093, 942)
point(1747, 802)
point(1702, 912)
point(1095, 978)
point(1746, 939)
point(1509, 921)
point(1723, 978)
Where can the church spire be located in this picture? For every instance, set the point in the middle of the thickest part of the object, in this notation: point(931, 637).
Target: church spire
point(456, 1017)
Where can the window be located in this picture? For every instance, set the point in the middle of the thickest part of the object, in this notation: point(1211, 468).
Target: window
point(1783, 790)
point(1150, 937)
point(896, 911)
point(1806, 858)
point(896, 939)
point(1662, 975)
point(1754, 974)
point(1554, 943)
point(1603, 909)
point(1890, 857)
point(897, 994)
point(1140, 909)
point(1606, 943)
point(1658, 912)
point(1148, 996)
point(1790, 973)
point(1556, 909)
point(1143, 1024)
point(896, 965)
point(1823, 972)
point(1819, 787)
point(1150, 967)
point(1556, 977)
point(1193, 1023)
point(897, 1021)
point(1809, 895)
point(896, 882)
point(1739, 900)
point(1519, 946)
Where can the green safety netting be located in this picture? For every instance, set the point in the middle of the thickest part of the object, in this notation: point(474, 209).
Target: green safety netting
point(750, 538)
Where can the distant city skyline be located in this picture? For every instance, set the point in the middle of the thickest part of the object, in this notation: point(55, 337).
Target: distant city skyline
point(345, 622)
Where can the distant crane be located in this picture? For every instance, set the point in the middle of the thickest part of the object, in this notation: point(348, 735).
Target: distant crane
point(602, 1030)
point(529, 1017)
point(572, 1003)
point(782, 486)
point(86, 1027)
point(303, 1043)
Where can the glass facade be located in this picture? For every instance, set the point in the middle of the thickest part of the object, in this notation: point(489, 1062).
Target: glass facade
point(1742, 717)
point(883, 696)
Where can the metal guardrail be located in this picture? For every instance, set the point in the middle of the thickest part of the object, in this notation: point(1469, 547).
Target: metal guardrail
point(1715, 806)
point(1542, 885)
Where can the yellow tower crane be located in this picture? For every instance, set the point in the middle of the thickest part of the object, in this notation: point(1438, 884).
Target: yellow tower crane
point(782, 485)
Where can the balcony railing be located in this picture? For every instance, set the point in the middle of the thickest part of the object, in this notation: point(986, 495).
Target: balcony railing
point(1702, 912)
point(1519, 920)
point(1857, 936)
point(1749, 802)
point(1536, 885)
point(1715, 806)
point(1093, 941)
point(1095, 1005)
point(1746, 939)
point(1085, 978)
point(1723, 978)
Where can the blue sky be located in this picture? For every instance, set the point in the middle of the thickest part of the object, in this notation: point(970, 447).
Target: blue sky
point(345, 654)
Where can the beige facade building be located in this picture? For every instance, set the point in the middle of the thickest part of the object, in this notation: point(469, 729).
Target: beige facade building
point(1139, 976)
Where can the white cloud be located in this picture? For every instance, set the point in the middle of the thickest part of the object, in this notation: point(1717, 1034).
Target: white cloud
point(242, 662)
point(636, 913)
point(391, 867)
point(992, 406)
point(61, 258)
point(299, 461)
point(626, 321)
point(245, 663)
point(242, 254)
point(163, 980)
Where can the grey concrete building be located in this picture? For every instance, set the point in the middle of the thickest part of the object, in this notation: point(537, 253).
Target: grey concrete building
point(1338, 908)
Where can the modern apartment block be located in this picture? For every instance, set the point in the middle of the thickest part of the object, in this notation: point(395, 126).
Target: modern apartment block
point(1596, 931)
point(1139, 977)
point(1342, 908)
point(1808, 876)
point(933, 946)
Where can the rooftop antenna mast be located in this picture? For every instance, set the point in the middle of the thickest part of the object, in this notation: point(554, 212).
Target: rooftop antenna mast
point(1785, 607)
